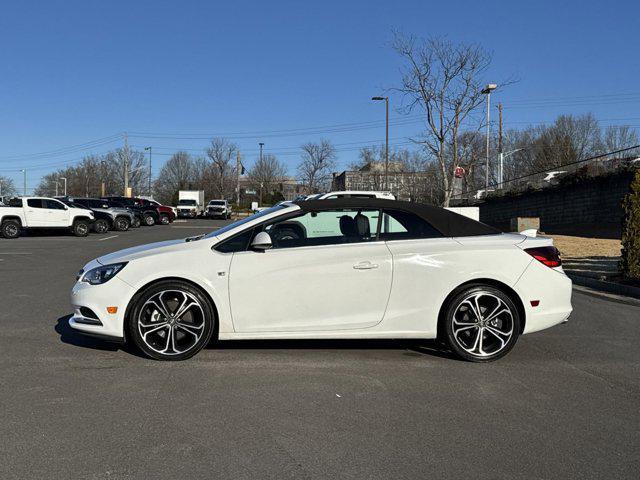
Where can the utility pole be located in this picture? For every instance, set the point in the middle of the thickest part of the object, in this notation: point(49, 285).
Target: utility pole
point(149, 148)
point(57, 181)
point(102, 184)
point(500, 155)
point(126, 165)
point(65, 185)
point(238, 173)
point(261, 184)
point(24, 186)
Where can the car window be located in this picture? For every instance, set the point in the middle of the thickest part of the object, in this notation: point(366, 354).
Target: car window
point(329, 227)
point(237, 243)
point(401, 225)
point(35, 203)
point(53, 204)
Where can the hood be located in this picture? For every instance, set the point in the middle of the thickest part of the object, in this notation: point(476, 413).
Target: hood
point(141, 251)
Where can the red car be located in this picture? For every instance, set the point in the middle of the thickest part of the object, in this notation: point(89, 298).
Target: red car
point(166, 214)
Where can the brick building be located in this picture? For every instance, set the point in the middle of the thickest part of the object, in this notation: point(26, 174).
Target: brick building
point(403, 184)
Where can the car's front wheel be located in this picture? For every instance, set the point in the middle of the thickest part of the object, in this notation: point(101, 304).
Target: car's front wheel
point(171, 320)
point(122, 224)
point(481, 324)
point(149, 220)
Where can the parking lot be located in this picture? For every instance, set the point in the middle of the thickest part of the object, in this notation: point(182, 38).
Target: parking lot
point(563, 404)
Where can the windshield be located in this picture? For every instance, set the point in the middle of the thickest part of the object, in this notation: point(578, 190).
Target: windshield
point(216, 202)
point(248, 219)
point(187, 202)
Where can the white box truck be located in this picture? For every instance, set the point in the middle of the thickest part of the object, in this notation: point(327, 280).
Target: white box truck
point(190, 203)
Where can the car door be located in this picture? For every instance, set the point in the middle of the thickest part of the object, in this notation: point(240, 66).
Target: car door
point(35, 213)
point(57, 213)
point(321, 275)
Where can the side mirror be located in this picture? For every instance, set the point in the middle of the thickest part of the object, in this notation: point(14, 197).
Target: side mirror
point(261, 242)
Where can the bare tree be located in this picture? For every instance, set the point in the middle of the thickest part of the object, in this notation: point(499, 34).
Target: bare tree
point(617, 137)
point(176, 174)
point(222, 155)
point(445, 81)
point(266, 172)
point(317, 164)
point(7, 187)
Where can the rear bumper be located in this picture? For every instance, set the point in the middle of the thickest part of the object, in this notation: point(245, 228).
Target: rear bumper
point(551, 289)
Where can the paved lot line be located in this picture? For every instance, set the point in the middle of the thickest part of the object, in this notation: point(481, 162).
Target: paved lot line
point(108, 238)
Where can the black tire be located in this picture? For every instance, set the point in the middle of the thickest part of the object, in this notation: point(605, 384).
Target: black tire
point(101, 226)
point(149, 220)
point(10, 229)
point(135, 223)
point(488, 338)
point(121, 224)
point(164, 219)
point(142, 320)
point(80, 228)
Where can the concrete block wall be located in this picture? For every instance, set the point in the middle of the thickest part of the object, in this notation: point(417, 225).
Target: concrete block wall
point(592, 207)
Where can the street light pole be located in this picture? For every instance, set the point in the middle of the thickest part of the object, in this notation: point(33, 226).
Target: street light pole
point(149, 148)
point(503, 156)
point(24, 186)
point(65, 185)
point(386, 143)
point(487, 91)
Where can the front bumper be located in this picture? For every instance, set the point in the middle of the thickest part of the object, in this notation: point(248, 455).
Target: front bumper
point(187, 213)
point(90, 304)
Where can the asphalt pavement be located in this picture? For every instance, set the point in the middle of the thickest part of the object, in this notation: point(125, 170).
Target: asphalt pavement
point(565, 403)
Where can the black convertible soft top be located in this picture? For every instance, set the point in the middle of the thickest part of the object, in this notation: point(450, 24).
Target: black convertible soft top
point(448, 223)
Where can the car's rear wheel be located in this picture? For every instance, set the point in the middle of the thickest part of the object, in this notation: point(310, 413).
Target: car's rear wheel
point(80, 228)
point(10, 229)
point(101, 226)
point(481, 324)
point(171, 320)
point(164, 219)
point(122, 224)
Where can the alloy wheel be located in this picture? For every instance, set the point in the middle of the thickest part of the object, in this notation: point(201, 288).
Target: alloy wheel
point(482, 324)
point(171, 322)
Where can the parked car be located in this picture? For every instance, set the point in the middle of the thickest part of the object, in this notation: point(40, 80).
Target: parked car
point(219, 209)
point(351, 194)
point(116, 218)
point(167, 214)
point(29, 213)
point(190, 203)
point(426, 273)
point(148, 214)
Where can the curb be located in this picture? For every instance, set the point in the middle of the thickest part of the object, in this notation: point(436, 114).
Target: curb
point(603, 286)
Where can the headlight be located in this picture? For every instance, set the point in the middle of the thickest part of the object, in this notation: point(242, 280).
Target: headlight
point(103, 274)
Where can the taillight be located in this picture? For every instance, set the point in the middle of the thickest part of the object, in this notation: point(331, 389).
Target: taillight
point(550, 256)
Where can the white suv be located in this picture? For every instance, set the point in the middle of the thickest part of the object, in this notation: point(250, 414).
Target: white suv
point(24, 213)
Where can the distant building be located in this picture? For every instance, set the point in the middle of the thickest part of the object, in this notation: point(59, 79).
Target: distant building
point(290, 188)
point(403, 184)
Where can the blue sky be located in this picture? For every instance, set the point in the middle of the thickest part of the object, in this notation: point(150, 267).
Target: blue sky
point(75, 71)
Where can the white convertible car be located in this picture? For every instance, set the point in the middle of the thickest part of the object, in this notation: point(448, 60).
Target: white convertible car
point(344, 268)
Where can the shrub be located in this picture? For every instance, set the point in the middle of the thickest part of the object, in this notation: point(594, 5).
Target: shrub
point(630, 261)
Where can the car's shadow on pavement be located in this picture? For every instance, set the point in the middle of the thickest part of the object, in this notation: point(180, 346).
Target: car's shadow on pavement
point(411, 348)
point(71, 337)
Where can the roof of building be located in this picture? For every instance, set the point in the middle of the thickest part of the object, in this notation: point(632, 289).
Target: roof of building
point(448, 223)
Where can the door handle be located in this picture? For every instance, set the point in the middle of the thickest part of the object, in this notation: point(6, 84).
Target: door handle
point(365, 265)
